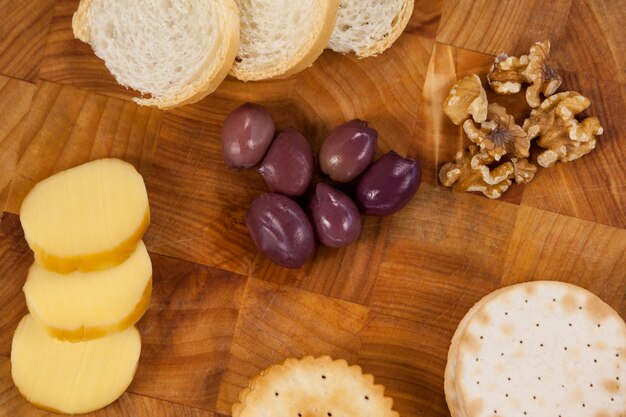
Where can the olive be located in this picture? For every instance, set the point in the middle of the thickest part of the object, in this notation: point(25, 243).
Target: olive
point(288, 166)
point(388, 185)
point(336, 218)
point(246, 134)
point(280, 230)
point(348, 150)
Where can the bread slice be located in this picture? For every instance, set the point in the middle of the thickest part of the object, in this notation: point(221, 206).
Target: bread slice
point(281, 38)
point(368, 27)
point(173, 52)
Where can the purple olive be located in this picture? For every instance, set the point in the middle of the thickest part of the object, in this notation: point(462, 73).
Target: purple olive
point(336, 219)
point(288, 166)
point(388, 185)
point(280, 230)
point(246, 135)
point(348, 150)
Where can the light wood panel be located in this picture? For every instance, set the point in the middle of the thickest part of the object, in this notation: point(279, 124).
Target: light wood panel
point(24, 27)
point(67, 126)
point(496, 26)
point(279, 322)
point(594, 40)
point(15, 98)
point(187, 332)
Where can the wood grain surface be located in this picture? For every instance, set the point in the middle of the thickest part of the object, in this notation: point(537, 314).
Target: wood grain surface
point(221, 312)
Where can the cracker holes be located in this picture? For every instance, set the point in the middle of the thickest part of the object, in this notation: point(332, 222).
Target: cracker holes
point(538, 378)
point(323, 376)
point(367, 397)
point(276, 394)
point(329, 414)
point(534, 397)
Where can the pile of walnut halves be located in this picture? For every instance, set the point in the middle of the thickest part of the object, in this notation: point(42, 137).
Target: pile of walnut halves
point(500, 151)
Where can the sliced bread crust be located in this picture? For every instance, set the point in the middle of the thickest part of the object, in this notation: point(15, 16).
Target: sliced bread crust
point(223, 15)
point(255, 63)
point(369, 27)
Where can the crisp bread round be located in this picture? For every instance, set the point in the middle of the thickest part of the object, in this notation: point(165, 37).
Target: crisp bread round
point(450, 372)
point(539, 349)
point(313, 387)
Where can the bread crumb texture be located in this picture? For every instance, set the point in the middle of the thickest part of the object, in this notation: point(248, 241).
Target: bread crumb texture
point(368, 27)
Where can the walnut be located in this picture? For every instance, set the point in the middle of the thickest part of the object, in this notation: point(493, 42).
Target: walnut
point(524, 170)
point(543, 77)
point(467, 97)
point(507, 74)
point(470, 172)
point(560, 133)
point(499, 135)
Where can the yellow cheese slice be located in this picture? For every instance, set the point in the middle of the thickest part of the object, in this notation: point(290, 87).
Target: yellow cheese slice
point(71, 377)
point(86, 218)
point(86, 305)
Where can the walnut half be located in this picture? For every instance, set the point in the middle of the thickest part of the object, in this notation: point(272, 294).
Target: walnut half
point(467, 97)
point(562, 136)
point(499, 135)
point(470, 172)
point(542, 76)
point(508, 73)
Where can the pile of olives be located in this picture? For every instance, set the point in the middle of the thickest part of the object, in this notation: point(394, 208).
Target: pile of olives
point(278, 225)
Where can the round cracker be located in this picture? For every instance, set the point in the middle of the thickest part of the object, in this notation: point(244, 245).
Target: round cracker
point(312, 387)
point(540, 349)
point(450, 372)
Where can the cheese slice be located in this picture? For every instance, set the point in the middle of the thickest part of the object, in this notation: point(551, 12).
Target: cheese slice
point(86, 218)
point(70, 377)
point(86, 305)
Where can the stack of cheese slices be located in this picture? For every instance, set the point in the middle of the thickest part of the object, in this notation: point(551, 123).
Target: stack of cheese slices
point(77, 350)
point(176, 52)
point(539, 349)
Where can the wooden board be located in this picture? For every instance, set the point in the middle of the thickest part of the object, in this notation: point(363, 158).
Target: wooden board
point(220, 312)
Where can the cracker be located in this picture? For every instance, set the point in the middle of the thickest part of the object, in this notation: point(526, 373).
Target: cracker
point(450, 372)
point(313, 387)
point(540, 349)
